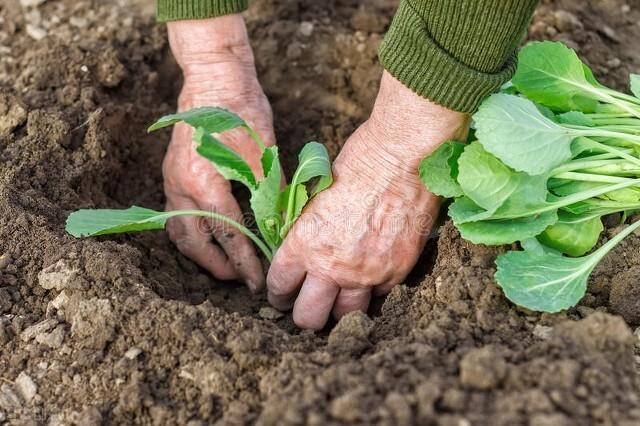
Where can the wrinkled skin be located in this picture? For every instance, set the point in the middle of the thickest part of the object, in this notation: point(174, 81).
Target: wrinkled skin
point(218, 67)
point(363, 235)
point(358, 238)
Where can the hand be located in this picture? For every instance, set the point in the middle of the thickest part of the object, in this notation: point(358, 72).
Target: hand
point(365, 233)
point(218, 67)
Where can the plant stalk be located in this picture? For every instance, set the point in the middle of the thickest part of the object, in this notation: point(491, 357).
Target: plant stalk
point(216, 216)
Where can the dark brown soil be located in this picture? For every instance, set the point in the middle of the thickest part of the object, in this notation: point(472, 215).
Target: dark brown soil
point(124, 330)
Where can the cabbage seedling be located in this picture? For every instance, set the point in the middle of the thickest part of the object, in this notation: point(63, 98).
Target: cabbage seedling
point(275, 209)
point(554, 153)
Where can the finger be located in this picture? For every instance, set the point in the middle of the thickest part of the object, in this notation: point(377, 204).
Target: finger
point(350, 300)
point(281, 303)
point(314, 303)
point(385, 288)
point(196, 245)
point(284, 278)
point(237, 246)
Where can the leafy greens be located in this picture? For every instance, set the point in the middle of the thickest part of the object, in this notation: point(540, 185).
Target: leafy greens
point(555, 151)
point(275, 209)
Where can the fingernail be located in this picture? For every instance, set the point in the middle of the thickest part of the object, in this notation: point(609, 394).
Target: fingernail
point(253, 286)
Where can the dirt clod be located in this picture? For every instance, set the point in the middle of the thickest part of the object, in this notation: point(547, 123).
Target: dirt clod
point(352, 333)
point(625, 294)
point(482, 369)
point(35, 330)
point(62, 275)
point(13, 113)
point(93, 324)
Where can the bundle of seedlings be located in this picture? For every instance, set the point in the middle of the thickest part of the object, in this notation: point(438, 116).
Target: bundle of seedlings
point(551, 154)
point(275, 208)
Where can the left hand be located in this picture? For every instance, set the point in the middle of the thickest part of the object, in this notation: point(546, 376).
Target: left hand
point(365, 233)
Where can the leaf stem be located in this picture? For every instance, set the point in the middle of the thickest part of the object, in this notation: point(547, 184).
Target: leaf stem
point(606, 96)
point(255, 136)
point(604, 115)
point(609, 245)
point(623, 96)
point(588, 177)
point(571, 199)
point(590, 131)
point(585, 163)
point(634, 122)
point(216, 216)
point(604, 147)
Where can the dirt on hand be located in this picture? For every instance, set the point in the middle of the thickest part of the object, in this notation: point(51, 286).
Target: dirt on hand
point(125, 330)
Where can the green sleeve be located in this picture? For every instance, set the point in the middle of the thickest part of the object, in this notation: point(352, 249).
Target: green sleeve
point(455, 52)
point(174, 10)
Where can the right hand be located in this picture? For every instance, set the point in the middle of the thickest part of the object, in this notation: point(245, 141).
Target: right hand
point(218, 67)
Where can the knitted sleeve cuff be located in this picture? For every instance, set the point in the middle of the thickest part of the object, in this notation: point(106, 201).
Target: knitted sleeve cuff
point(175, 10)
point(455, 52)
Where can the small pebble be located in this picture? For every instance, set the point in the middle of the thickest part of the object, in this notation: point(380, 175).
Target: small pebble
point(35, 32)
point(614, 63)
point(26, 387)
point(78, 22)
point(5, 260)
point(42, 327)
point(31, 3)
point(306, 29)
point(9, 398)
point(542, 331)
point(270, 313)
point(133, 353)
point(609, 32)
point(567, 21)
point(54, 339)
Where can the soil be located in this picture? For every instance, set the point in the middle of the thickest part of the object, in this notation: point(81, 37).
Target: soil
point(125, 330)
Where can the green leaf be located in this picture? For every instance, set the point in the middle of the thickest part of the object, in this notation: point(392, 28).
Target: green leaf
point(323, 183)
point(298, 197)
point(211, 119)
point(574, 235)
point(547, 112)
point(565, 187)
point(550, 282)
point(464, 210)
point(635, 84)
point(535, 247)
point(514, 130)
point(552, 74)
point(506, 231)
point(268, 156)
point(529, 194)
point(439, 170)
point(226, 160)
point(90, 223)
point(484, 178)
point(313, 161)
point(264, 201)
point(576, 117)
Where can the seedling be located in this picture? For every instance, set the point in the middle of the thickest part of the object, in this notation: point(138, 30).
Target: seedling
point(275, 209)
point(554, 153)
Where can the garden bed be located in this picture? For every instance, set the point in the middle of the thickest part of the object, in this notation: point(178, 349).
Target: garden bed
point(125, 330)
